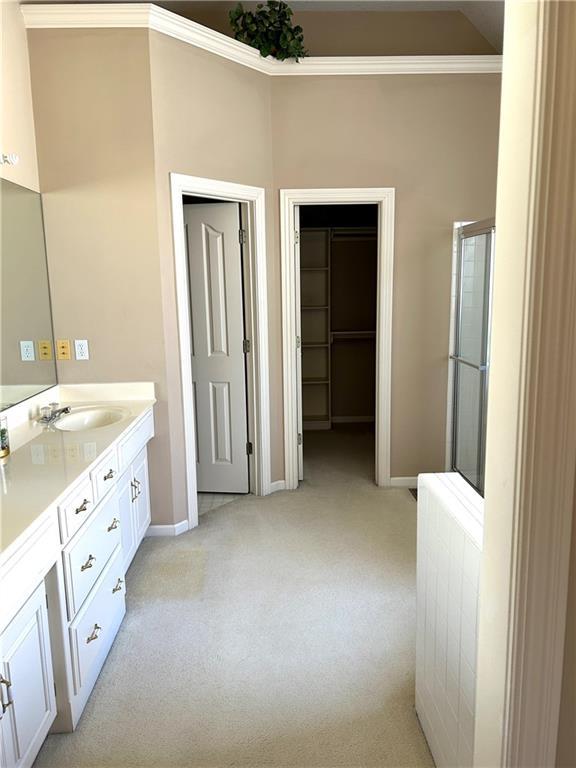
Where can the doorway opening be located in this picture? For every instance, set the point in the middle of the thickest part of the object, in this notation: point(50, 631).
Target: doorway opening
point(338, 292)
point(337, 271)
point(222, 315)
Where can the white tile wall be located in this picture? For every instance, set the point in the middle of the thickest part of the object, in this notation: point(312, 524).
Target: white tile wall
point(450, 515)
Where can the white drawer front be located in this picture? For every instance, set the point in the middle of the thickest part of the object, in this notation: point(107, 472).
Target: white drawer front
point(92, 631)
point(131, 445)
point(75, 509)
point(105, 475)
point(86, 557)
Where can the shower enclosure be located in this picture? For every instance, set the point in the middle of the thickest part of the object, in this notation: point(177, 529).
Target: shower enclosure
point(470, 353)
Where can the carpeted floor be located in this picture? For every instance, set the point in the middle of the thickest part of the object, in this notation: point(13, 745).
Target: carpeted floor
point(278, 633)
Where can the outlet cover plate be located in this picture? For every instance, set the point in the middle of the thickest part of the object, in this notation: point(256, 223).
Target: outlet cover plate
point(81, 349)
point(27, 352)
point(45, 349)
point(62, 349)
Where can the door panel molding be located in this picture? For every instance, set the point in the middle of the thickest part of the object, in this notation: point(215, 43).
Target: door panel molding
point(256, 305)
point(384, 197)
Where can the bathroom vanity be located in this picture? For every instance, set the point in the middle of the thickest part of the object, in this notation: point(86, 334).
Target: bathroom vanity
point(74, 509)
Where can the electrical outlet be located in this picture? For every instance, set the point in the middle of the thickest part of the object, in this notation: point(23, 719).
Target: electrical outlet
point(27, 352)
point(45, 349)
point(81, 349)
point(63, 349)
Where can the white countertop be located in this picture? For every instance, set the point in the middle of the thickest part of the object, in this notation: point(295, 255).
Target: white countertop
point(48, 462)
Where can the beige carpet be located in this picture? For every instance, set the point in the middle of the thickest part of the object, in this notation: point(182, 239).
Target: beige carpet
point(278, 633)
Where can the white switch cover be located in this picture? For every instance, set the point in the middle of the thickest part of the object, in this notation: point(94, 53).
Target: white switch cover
point(81, 349)
point(27, 351)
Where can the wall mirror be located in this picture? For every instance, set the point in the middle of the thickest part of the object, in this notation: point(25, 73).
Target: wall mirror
point(27, 364)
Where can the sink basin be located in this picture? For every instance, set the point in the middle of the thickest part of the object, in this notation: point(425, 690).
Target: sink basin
point(90, 418)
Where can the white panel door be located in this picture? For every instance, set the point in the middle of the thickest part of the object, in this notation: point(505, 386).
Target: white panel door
point(299, 342)
point(218, 361)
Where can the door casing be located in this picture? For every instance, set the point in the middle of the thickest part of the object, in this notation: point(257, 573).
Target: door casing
point(384, 197)
point(256, 313)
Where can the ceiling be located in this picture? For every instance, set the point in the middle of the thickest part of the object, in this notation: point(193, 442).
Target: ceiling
point(486, 15)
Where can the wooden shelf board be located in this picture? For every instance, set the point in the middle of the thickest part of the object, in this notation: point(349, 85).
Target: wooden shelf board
point(315, 381)
point(314, 344)
point(313, 306)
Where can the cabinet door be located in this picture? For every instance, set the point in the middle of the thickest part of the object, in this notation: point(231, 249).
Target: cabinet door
point(140, 470)
point(126, 491)
point(28, 705)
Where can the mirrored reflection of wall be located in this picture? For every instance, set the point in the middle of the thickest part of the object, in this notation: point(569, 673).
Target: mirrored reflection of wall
point(25, 313)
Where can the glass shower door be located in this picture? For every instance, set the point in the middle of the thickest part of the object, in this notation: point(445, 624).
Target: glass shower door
point(471, 346)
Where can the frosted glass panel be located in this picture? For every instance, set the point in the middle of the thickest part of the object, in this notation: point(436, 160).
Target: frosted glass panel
point(473, 277)
point(469, 422)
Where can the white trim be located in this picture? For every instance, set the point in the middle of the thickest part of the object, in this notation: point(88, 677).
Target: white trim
point(180, 185)
point(531, 441)
point(277, 485)
point(404, 482)
point(384, 198)
point(149, 16)
point(167, 530)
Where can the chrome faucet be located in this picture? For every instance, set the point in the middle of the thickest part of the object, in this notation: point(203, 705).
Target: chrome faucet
point(50, 413)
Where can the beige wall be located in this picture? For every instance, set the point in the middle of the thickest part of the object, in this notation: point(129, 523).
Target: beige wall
point(362, 33)
point(433, 138)
point(117, 114)
point(16, 116)
point(566, 754)
point(94, 125)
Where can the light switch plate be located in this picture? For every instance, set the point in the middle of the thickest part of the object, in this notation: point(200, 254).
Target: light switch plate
point(81, 349)
point(45, 349)
point(63, 349)
point(27, 352)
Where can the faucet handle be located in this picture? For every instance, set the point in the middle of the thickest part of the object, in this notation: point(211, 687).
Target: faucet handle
point(53, 406)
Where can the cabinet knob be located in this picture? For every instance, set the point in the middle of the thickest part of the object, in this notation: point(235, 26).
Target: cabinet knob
point(109, 475)
point(8, 701)
point(118, 586)
point(113, 525)
point(89, 563)
point(94, 634)
point(83, 507)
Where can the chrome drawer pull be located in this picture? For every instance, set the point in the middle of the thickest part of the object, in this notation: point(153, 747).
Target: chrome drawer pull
point(118, 586)
point(83, 507)
point(137, 487)
point(113, 525)
point(5, 704)
point(88, 563)
point(134, 490)
point(95, 632)
point(109, 475)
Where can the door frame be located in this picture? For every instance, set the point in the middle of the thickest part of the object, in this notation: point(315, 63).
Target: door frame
point(256, 312)
point(384, 198)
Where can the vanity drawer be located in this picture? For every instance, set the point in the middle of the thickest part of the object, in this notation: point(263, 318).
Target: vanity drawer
point(131, 445)
point(93, 630)
point(105, 475)
point(75, 509)
point(86, 556)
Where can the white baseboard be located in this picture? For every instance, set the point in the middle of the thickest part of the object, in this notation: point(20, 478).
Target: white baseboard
point(277, 485)
point(404, 482)
point(167, 530)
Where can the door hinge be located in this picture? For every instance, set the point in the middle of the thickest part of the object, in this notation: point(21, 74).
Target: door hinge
point(249, 449)
point(246, 346)
point(242, 236)
point(296, 237)
point(298, 342)
point(299, 438)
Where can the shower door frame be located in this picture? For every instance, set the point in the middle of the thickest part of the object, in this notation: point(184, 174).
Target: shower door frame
point(464, 230)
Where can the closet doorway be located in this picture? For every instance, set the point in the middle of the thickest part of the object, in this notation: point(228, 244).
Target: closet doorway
point(337, 267)
point(338, 281)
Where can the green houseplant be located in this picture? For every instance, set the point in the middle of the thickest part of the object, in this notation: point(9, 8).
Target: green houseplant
point(269, 28)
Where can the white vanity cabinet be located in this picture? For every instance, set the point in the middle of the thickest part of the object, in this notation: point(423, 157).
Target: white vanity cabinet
point(62, 589)
point(27, 699)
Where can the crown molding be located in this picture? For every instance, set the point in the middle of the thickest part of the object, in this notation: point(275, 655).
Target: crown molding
point(149, 16)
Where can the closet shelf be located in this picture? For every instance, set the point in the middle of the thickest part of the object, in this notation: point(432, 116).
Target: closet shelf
point(313, 269)
point(351, 335)
point(315, 381)
point(312, 344)
point(314, 306)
